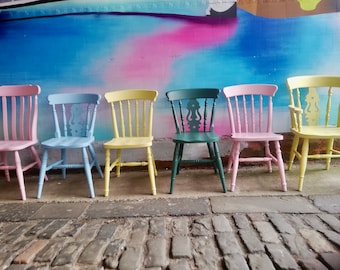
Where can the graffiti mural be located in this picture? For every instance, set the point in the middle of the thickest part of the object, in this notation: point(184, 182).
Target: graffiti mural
point(289, 8)
point(99, 46)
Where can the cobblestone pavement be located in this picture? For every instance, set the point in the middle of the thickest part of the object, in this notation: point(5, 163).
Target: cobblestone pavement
point(288, 232)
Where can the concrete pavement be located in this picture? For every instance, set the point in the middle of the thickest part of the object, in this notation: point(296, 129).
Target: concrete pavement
point(198, 227)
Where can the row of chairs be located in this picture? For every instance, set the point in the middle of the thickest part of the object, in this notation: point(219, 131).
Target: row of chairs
point(250, 108)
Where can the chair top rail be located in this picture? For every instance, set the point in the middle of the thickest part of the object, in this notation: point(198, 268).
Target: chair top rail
point(74, 98)
point(250, 89)
point(131, 94)
point(313, 81)
point(178, 94)
point(19, 90)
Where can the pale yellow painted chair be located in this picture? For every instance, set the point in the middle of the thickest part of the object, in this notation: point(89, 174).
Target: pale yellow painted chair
point(132, 117)
point(314, 112)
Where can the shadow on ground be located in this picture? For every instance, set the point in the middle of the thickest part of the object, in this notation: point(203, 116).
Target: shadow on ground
point(193, 182)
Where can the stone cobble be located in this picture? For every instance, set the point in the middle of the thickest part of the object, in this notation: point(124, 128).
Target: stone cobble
point(206, 241)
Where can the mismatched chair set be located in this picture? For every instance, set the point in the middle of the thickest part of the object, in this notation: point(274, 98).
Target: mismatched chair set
point(250, 109)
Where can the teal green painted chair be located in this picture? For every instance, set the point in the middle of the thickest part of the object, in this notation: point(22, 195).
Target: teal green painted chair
point(193, 112)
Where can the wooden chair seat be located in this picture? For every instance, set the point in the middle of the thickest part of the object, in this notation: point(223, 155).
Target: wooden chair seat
point(256, 136)
point(318, 132)
point(68, 142)
point(129, 142)
point(15, 145)
point(196, 137)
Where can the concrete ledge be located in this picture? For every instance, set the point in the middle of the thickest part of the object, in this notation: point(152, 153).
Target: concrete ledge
point(286, 204)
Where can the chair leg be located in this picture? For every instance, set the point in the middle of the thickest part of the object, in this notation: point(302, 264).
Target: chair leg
point(94, 158)
point(4, 160)
point(175, 165)
point(37, 159)
point(154, 165)
point(180, 156)
point(280, 164)
point(268, 154)
point(20, 175)
point(118, 161)
point(35, 156)
point(292, 155)
point(303, 161)
point(219, 165)
point(63, 158)
point(212, 155)
point(42, 172)
point(88, 173)
point(151, 170)
point(5, 163)
point(236, 157)
point(330, 143)
point(107, 171)
point(230, 159)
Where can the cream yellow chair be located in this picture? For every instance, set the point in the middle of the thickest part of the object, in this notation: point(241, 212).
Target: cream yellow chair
point(314, 103)
point(132, 116)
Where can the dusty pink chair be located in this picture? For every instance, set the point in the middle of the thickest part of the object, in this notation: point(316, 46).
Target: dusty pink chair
point(250, 108)
point(19, 113)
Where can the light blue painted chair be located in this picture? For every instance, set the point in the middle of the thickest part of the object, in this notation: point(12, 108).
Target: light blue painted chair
point(74, 119)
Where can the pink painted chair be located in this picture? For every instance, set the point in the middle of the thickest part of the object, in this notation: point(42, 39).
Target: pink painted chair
point(250, 108)
point(18, 131)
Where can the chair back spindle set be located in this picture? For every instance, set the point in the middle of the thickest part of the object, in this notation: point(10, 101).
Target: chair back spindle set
point(250, 115)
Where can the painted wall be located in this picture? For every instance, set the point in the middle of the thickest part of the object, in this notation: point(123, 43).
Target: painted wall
point(98, 48)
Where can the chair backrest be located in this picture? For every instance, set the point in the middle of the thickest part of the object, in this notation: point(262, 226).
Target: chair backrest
point(193, 109)
point(314, 96)
point(250, 107)
point(19, 112)
point(74, 114)
point(132, 112)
